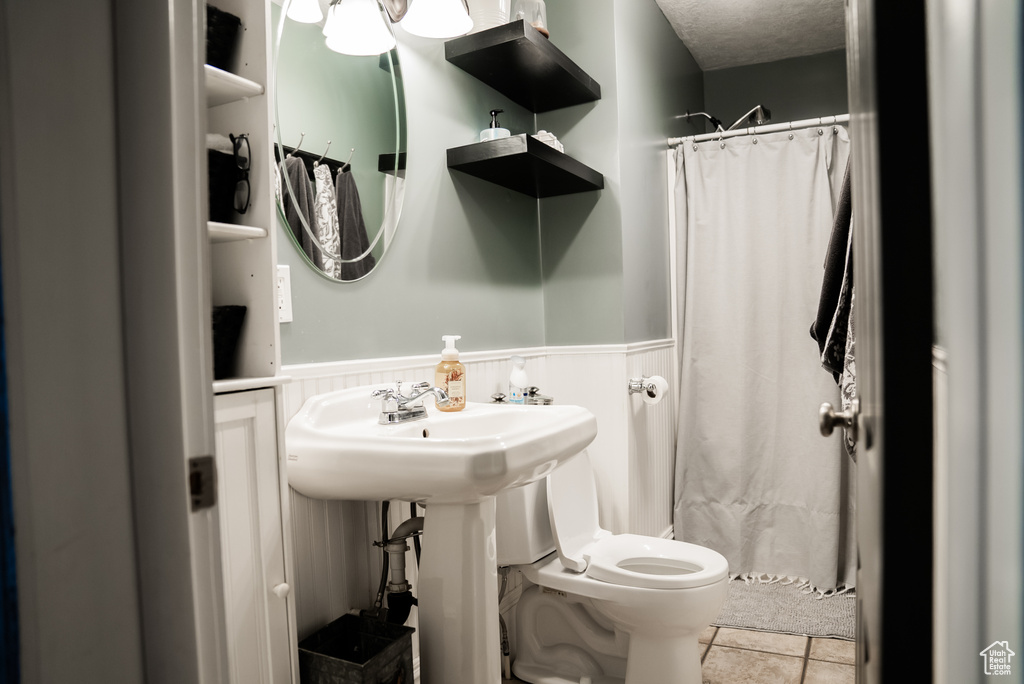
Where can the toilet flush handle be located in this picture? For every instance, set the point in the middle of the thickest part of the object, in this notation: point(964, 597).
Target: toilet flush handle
point(829, 418)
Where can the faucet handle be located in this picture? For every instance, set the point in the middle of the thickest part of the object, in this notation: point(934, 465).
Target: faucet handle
point(387, 395)
point(420, 386)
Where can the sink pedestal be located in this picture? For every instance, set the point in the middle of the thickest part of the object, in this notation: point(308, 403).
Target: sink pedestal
point(458, 595)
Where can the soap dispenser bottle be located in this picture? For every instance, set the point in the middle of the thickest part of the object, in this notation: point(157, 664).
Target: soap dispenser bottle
point(495, 131)
point(450, 375)
point(518, 382)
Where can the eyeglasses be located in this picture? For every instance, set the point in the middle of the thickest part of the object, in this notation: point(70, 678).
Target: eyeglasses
point(242, 161)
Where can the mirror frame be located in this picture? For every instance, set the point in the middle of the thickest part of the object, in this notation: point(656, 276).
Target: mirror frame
point(393, 200)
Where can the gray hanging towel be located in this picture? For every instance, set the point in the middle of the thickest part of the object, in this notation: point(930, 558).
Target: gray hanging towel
point(354, 240)
point(300, 199)
point(830, 325)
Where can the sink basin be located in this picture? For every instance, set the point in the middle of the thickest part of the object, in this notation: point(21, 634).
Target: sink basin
point(337, 449)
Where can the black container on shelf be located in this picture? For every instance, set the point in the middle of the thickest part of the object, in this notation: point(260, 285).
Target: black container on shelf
point(221, 37)
point(227, 328)
point(357, 650)
point(223, 174)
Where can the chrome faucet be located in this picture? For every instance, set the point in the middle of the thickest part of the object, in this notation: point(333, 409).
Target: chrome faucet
point(395, 407)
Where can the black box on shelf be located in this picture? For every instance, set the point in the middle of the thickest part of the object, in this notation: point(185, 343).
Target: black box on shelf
point(223, 176)
point(221, 37)
point(357, 650)
point(227, 328)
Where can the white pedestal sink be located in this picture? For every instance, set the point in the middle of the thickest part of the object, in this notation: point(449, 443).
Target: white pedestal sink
point(453, 463)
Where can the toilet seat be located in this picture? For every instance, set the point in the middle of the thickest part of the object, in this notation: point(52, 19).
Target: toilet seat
point(636, 561)
point(623, 559)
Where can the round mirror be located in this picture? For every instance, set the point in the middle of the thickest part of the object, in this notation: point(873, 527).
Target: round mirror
point(340, 145)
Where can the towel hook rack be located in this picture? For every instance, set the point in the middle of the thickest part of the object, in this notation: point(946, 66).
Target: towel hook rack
point(325, 152)
point(295, 149)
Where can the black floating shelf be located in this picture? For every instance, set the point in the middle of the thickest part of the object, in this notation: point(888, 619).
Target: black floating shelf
point(521, 63)
point(386, 163)
point(525, 164)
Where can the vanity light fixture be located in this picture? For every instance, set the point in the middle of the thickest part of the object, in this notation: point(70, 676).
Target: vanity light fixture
point(357, 27)
point(437, 18)
point(305, 11)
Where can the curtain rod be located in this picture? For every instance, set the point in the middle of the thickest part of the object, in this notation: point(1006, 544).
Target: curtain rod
point(770, 128)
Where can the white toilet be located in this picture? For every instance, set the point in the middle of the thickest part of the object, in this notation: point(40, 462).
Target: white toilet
point(604, 608)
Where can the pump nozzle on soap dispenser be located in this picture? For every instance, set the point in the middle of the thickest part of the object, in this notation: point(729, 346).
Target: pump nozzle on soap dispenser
point(495, 131)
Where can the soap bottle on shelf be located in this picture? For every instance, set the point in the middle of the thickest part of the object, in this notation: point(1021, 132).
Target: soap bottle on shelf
point(450, 375)
point(495, 131)
point(518, 382)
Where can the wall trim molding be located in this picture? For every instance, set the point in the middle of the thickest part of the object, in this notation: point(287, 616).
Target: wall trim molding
point(303, 371)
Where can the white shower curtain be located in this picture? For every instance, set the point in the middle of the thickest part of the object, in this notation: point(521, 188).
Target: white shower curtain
point(755, 480)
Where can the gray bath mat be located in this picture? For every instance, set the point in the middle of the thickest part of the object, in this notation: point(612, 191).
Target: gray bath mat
point(788, 609)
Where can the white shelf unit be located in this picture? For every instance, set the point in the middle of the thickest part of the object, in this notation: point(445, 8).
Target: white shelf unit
point(223, 87)
point(227, 232)
point(254, 544)
point(260, 631)
point(243, 252)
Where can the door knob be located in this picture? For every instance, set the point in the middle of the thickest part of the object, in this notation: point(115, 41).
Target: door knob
point(281, 590)
point(829, 418)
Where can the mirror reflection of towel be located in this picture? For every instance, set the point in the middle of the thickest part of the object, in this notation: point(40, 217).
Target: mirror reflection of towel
point(354, 240)
point(300, 199)
point(326, 208)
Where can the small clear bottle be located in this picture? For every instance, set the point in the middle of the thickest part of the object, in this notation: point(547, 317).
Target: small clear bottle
point(450, 375)
point(534, 12)
point(518, 382)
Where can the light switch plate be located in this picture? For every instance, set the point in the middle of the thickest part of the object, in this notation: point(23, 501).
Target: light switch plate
point(284, 294)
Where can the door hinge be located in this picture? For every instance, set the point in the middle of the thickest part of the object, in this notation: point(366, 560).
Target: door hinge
point(202, 482)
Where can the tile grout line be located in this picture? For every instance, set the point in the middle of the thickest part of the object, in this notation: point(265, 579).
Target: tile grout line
point(707, 651)
point(807, 656)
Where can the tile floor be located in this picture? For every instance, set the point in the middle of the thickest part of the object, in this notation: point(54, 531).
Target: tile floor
point(739, 656)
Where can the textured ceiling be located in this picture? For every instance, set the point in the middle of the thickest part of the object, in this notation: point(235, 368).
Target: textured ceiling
point(729, 33)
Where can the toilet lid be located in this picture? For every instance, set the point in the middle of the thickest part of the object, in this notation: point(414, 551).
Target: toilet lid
point(572, 510)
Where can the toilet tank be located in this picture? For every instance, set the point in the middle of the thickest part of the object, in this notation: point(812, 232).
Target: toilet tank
point(522, 528)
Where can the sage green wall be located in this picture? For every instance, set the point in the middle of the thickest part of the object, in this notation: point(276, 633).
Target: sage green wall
point(465, 260)
point(581, 244)
point(605, 255)
point(793, 89)
point(497, 267)
point(659, 81)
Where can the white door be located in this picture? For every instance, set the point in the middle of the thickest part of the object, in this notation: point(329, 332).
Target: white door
point(974, 54)
point(257, 593)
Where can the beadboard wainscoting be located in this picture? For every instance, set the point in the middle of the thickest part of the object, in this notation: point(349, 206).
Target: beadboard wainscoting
point(336, 565)
point(652, 445)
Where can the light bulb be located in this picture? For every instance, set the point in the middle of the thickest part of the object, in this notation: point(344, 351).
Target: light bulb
point(437, 19)
point(357, 27)
point(305, 11)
